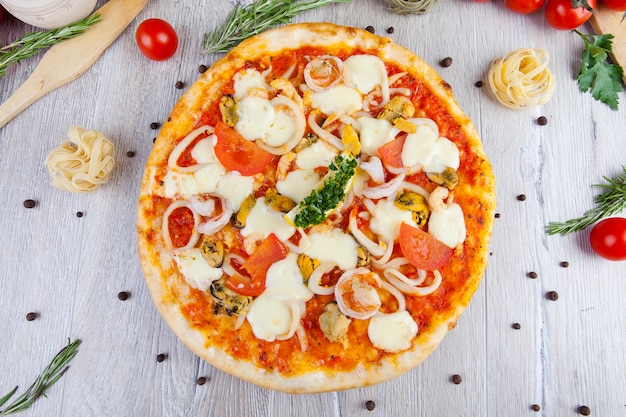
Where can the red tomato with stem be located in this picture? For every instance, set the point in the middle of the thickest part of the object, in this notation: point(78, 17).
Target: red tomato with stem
point(619, 5)
point(524, 6)
point(236, 153)
point(608, 238)
point(562, 16)
point(421, 249)
point(156, 39)
point(271, 250)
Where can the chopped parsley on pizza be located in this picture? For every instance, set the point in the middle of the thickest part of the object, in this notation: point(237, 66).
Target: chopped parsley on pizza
point(316, 212)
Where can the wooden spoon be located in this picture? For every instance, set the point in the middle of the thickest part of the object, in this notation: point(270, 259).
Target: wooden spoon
point(66, 61)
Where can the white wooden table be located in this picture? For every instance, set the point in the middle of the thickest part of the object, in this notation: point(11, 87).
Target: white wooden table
point(69, 269)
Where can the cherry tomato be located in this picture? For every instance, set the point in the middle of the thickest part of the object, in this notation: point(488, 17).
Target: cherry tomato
point(269, 251)
point(608, 238)
point(236, 153)
point(524, 6)
point(391, 152)
point(421, 249)
point(561, 15)
point(619, 5)
point(156, 39)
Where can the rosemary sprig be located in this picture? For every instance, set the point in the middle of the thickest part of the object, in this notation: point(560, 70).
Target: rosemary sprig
point(31, 43)
point(608, 203)
point(51, 374)
point(255, 18)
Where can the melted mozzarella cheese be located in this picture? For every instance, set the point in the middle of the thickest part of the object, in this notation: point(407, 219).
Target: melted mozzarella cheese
point(387, 218)
point(392, 332)
point(333, 246)
point(448, 225)
point(298, 184)
point(280, 130)
point(284, 280)
point(197, 272)
point(375, 133)
point(179, 185)
point(203, 151)
point(235, 188)
point(247, 80)
point(208, 177)
point(432, 153)
point(263, 220)
point(339, 99)
point(256, 116)
point(316, 155)
point(364, 72)
point(270, 317)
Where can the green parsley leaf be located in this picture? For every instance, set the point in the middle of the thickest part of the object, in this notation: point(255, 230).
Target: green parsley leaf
point(596, 74)
point(316, 206)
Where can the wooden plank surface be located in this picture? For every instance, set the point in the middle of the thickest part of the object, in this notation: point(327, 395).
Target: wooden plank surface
point(69, 269)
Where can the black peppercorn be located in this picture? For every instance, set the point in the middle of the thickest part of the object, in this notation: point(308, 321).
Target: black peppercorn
point(370, 405)
point(29, 203)
point(552, 295)
point(123, 295)
point(370, 29)
point(446, 62)
point(31, 316)
point(161, 357)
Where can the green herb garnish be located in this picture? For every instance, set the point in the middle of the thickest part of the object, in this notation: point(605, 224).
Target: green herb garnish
point(45, 380)
point(604, 79)
point(29, 44)
point(255, 18)
point(314, 208)
point(610, 202)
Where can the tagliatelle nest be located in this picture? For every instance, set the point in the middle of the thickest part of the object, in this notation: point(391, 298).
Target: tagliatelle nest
point(411, 6)
point(522, 79)
point(82, 162)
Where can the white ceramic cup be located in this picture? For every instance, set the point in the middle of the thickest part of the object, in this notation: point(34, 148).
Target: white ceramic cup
point(49, 14)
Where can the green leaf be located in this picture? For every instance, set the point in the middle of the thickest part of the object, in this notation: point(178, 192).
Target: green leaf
point(596, 74)
point(6, 397)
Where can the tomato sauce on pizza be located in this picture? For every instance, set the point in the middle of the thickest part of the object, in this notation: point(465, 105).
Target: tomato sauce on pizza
point(316, 212)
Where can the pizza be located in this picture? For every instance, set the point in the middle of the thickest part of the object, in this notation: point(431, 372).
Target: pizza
point(316, 212)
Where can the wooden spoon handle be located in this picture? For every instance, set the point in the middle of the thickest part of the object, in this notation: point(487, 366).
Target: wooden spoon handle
point(67, 60)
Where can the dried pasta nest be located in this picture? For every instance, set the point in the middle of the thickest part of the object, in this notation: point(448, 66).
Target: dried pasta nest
point(410, 6)
point(82, 162)
point(522, 79)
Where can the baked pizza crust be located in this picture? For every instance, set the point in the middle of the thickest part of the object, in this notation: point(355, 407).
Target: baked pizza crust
point(185, 117)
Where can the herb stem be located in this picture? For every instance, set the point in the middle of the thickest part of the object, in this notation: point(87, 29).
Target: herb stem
point(48, 377)
point(610, 202)
point(31, 43)
point(255, 18)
